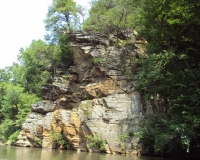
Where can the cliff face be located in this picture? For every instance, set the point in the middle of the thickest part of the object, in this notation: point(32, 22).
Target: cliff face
point(94, 97)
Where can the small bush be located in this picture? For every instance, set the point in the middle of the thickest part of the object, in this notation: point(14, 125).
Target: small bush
point(13, 137)
point(60, 139)
point(98, 60)
point(97, 141)
point(123, 138)
point(38, 140)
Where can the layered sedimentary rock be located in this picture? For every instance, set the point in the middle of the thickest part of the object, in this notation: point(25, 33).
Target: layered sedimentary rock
point(95, 97)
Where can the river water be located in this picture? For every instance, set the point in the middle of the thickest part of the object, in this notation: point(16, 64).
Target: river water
point(22, 153)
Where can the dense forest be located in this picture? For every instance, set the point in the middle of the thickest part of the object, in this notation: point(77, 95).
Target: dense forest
point(169, 71)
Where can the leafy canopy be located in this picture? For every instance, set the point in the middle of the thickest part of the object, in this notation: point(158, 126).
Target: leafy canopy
point(171, 71)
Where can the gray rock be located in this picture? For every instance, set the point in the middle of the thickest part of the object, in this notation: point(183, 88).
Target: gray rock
point(113, 116)
point(43, 107)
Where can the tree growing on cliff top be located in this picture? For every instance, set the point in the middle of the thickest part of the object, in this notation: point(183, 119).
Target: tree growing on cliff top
point(63, 16)
point(108, 15)
point(40, 62)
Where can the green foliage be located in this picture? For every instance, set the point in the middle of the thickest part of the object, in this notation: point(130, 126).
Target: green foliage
point(167, 74)
point(96, 141)
point(13, 137)
point(171, 71)
point(15, 106)
point(62, 16)
point(97, 60)
point(39, 62)
point(66, 53)
point(123, 139)
point(59, 18)
point(5, 74)
point(35, 61)
point(153, 74)
point(160, 135)
point(16, 103)
point(106, 16)
point(66, 76)
point(60, 139)
point(55, 135)
point(7, 128)
point(86, 106)
point(168, 23)
point(38, 140)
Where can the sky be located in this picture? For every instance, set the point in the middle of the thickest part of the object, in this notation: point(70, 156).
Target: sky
point(21, 21)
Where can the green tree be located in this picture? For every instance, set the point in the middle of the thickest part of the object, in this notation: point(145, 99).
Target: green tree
point(20, 83)
point(63, 16)
point(172, 71)
point(5, 74)
point(65, 51)
point(16, 102)
point(36, 62)
point(39, 62)
point(15, 106)
point(98, 15)
point(106, 16)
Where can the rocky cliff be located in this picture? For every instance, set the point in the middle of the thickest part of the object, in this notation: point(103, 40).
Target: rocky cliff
point(93, 98)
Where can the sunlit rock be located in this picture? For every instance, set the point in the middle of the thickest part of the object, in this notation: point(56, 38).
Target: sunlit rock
point(96, 97)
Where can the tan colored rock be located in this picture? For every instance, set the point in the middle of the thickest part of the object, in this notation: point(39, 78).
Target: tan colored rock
point(102, 88)
point(107, 148)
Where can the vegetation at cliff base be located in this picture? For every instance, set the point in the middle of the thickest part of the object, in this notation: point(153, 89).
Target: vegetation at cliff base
point(60, 140)
point(97, 141)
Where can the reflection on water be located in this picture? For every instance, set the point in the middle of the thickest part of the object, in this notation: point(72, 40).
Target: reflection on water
point(22, 153)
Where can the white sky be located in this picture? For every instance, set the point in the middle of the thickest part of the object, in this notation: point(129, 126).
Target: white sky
point(21, 21)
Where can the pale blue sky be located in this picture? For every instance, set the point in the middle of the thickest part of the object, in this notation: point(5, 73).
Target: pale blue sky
point(21, 21)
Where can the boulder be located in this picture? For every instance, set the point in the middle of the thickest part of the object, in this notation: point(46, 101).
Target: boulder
point(44, 106)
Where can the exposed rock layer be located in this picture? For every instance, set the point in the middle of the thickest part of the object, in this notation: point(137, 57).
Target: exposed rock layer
point(94, 98)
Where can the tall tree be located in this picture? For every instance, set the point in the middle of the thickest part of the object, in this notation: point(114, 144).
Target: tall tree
point(172, 71)
point(36, 63)
point(63, 16)
point(108, 15)
point(15, 106)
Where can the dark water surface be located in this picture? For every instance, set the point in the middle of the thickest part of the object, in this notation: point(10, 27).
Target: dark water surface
point(22, 153)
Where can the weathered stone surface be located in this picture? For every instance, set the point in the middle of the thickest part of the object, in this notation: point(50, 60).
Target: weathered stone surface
point(81, 59)
point(101, 88)
point(73, 70)
point(68, 101)
point(113, 116)
point(43, 107)
point(91, 99)
point(58, 87)
point(33, 129)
